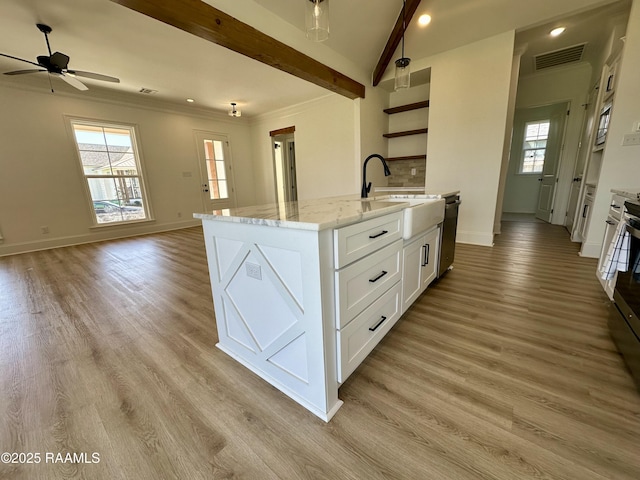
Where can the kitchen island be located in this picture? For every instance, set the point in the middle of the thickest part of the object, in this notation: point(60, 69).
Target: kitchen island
point(303, 291)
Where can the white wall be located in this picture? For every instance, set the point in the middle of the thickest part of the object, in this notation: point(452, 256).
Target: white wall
point(371, 123)
point(508, 134)
point(467, 117)
point(41, 183)
point(325, 142)
point(621, 165)
point(555, 86)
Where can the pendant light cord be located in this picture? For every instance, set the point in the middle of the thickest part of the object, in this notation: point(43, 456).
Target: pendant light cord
point(403, 26)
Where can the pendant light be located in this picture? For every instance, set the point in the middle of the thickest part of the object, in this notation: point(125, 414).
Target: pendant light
point(403, 71)
point(317, 20)
point(234, 112)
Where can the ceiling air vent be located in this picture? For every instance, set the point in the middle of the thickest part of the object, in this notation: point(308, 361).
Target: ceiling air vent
point(148, 91)
point(559, 57)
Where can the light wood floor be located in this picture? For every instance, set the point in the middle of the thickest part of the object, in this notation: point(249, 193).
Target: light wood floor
point(504, 369)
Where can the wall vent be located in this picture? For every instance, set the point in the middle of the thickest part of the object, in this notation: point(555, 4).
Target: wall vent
point(148, 91)
point(559, 57)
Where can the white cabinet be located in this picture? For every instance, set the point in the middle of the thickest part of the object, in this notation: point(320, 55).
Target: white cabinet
point(302, 308)
point(419, 264)
point(587, 205)
point(360, 336)
point(355, 241)
point(368, 261)
point(362, 282)
point(616, 215)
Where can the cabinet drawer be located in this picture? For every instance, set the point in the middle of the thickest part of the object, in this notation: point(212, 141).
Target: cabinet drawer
point(359, 284)
point(356, 241)
point(357, 339)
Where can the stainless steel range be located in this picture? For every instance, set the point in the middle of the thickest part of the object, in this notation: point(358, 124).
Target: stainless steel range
point(624, 318)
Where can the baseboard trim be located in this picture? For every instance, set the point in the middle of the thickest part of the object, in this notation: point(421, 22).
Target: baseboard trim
point(590, 250)
point(475, 238)
point(68, 241)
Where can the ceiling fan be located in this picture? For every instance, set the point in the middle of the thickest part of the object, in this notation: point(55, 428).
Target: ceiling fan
point(56, 64)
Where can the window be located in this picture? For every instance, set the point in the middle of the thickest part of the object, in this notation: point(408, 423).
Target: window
point(535, 146)
point(111, 167)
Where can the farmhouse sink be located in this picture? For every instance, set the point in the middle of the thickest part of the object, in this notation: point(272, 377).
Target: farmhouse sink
point(420, 215)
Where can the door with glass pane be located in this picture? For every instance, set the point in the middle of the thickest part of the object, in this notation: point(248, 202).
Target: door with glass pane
point(216, 179)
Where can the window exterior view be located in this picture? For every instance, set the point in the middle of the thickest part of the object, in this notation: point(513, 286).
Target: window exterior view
point(535, 146)
point(111, 167)
point(214, 156)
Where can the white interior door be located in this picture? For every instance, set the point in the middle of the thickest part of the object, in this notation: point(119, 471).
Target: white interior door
point(216, 173)
point(554, 145)
point(581, 161)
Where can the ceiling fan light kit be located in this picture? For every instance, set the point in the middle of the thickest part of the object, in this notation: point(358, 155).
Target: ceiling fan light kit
point(317, 20)
point(403, 70)
point(55, 64)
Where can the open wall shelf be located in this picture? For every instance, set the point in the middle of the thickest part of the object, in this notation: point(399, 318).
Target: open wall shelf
point(408, 157)
point(405, 133)
point(406, 108)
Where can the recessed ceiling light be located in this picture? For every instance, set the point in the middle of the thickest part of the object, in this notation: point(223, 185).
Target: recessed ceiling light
point(424, 20)
point(190, 100)
point(556, 31)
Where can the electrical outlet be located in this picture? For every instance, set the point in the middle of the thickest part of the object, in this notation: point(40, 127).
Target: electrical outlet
point(44, 229)
point(413, 171)
point(631, 139)
point(253, 270)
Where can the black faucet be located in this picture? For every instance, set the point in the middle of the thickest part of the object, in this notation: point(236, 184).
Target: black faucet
point(366, 188)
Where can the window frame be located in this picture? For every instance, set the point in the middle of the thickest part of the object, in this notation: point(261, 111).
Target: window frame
point(141, 176)
point(523, 148)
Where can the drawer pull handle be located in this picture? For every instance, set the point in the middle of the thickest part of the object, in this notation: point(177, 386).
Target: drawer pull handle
point(613, 205)
point(610, 222)
point(379, 234)
point(373, 280)
point(373, 329)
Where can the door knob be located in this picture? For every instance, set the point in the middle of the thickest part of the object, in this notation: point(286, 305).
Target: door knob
point(205, 188)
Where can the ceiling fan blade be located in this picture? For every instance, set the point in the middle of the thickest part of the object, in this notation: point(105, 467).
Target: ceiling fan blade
point(94, 76)
point(22, 72)
point(59, 60)
point(21, 59)
point(74, 82)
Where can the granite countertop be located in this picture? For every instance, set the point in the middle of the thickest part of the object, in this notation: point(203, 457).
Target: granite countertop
point(316, 214)
point(630, 193)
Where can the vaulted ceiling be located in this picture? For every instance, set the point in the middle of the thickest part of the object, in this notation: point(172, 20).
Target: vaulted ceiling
point(104, 37)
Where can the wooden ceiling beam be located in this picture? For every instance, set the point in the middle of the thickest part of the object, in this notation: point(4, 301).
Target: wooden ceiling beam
point(394, 39)
point(204, 21)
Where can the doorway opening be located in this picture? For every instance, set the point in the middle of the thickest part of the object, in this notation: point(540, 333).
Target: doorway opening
point(284, 164)
point(536, 152)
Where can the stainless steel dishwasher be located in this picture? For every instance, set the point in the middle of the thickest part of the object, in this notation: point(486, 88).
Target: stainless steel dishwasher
point(448, 233)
